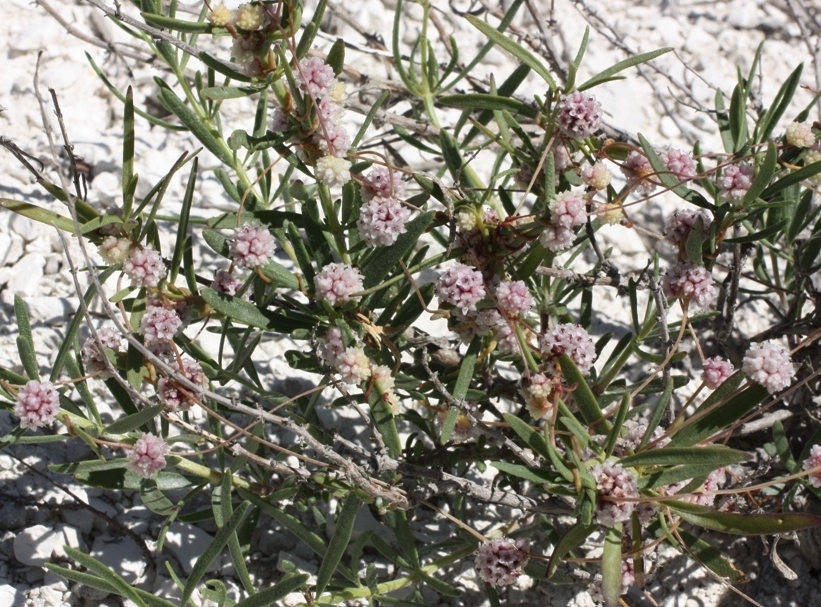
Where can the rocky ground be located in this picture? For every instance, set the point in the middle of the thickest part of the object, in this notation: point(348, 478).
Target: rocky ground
point(667, 102)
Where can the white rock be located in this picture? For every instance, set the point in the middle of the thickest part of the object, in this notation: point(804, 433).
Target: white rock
point(26, 274)
point(121, 554)
point(188, 543)
point(71, 538)
point(34, 546)
point(51, 309)
point(11, 597)
point(5, 245)
point(106, 188)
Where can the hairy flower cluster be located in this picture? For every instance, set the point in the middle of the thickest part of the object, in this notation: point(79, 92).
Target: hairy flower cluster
point(500, 561)
point(769, 364)
point(678, 163)
point(597, 176)
point(172, 395)
point(572, 340)
point(252, 246)
point(800, 135)
point(331, 346)
point(713, 483)
point(811, 157)
point(314, 77)
point(537, 396)
point(228, 283)
point(567, 210)
point(115, 249)
point(37, 404)
point(249, 17)
point(734, 181)
point(144, 267)
point(681, 222)
point(579, 115)
point(628, 578)
point(381, 221)
point(384, 381)
point(333, 171)
point(690, 282)
point(615, 482)
point(147, 456)
point(93, 357)
point(220, 16)
point(716, 371)
point(630, 441)
point(461, 286)
point(638, 171)
point(353, 365)
point(160, 324)
point(813, 461)
point(556, 238)
point(513, 297)
point(380, 182)
point(337, 283)
point(482, 322)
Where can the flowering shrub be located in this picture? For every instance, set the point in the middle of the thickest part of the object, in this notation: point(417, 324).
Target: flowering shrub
point(501, 391)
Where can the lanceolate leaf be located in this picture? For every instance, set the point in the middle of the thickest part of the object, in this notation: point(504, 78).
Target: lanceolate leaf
point(248, 314)
point(271, 595)
point(671, 456)
point(339, 541)
point(744, 524)
point(582, 395)
point(570, 541)
point(711, 557)
point(620, 66)
point(611, 566)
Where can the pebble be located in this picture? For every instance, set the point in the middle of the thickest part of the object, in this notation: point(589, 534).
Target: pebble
point(121, 554)
point(51, 310)
point(26, 274)
point(187, 543)
point(11, 596)
point(12, 515)
point(35, 545)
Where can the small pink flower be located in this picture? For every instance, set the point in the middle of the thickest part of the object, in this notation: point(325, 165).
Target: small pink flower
point(330, 111)
point(333, 140)
point(690, 282)
point(679, 163)
point(37, 404)
point(159, 324)
point(500, 561)
point(353, 365)
point(537, 396)
point(734, 182)
point(716, 372)
point(331, 346)
point(800, 135)
point(572, 340)
point(144, 267)
point(579, 115)
point(597, 176)
point(228, 283)
point(337, 283)
point(146, 457)
point(381, 221)
point(713, 483)
point(314, 76)
point(568, 210)
point(513, 297)
point(333, 171)
point(769, 364)
point(556, 238)
point(382, 183)
point(114, 249)
point(252, 246)
point(461, 286)
point(171, 394)
point(814, 461)
point(635, 434)
point(638, 171)
point(93, 358)
point(680, 223)
point(614, 481)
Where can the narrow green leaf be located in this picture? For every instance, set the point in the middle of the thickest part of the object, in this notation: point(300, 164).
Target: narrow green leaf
point(738, 118)
point(711, 557)
point(531, 437)
point(25, 342)
point(483, 101)
point(611, 566)
point(466, 369)
point(676, 474)
point(196, 125)
point(132, 422)
point(760, 235)
point(308, 537)
point(177, 25)
point(533, 475)
point(248, 314)
point(398, 522)
point(582, 394)
point(95, 582)
point(383, 264)
point(339, 541)
point(449, 423)
point(269, 596)
point(515, 49)
point(779, 105)
point(622, 65)
point(744, 524)
point(672, 456)
point(122, 587)
point(212, 551)
point(764, 174)
point(49, 218)
point(221, 93)
point(128, 153)
point(802, 216)
point(222, 67)
point(184, 216)
point(89, 466)
point(790, 179)
point(155, 500)
point(571, 540)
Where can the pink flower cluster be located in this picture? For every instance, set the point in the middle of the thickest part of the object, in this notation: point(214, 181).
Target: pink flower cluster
point(171, 395)
point(680, 223)
point(679, 163)
point(734, 181)
point(567, 211)
point(537, 396)
point(160, 324)
point(380, 182)
point(93, 357)
point(572, 340)
point(813, 461)
point(500, 561)
point(769, 364)
point(690, 282)
point(579, 115)
point(314, 77)
point(638, 171)
point(144, 267)
point(353, 365)
point(713, 483)
point(37, 404)
point(616, 482)
point(147, 456)
point(337, 283)
point(461, 286)
point(716, 371)
point(228, 283)
point(381, 221)
point(252, 246)
point(513, 297)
